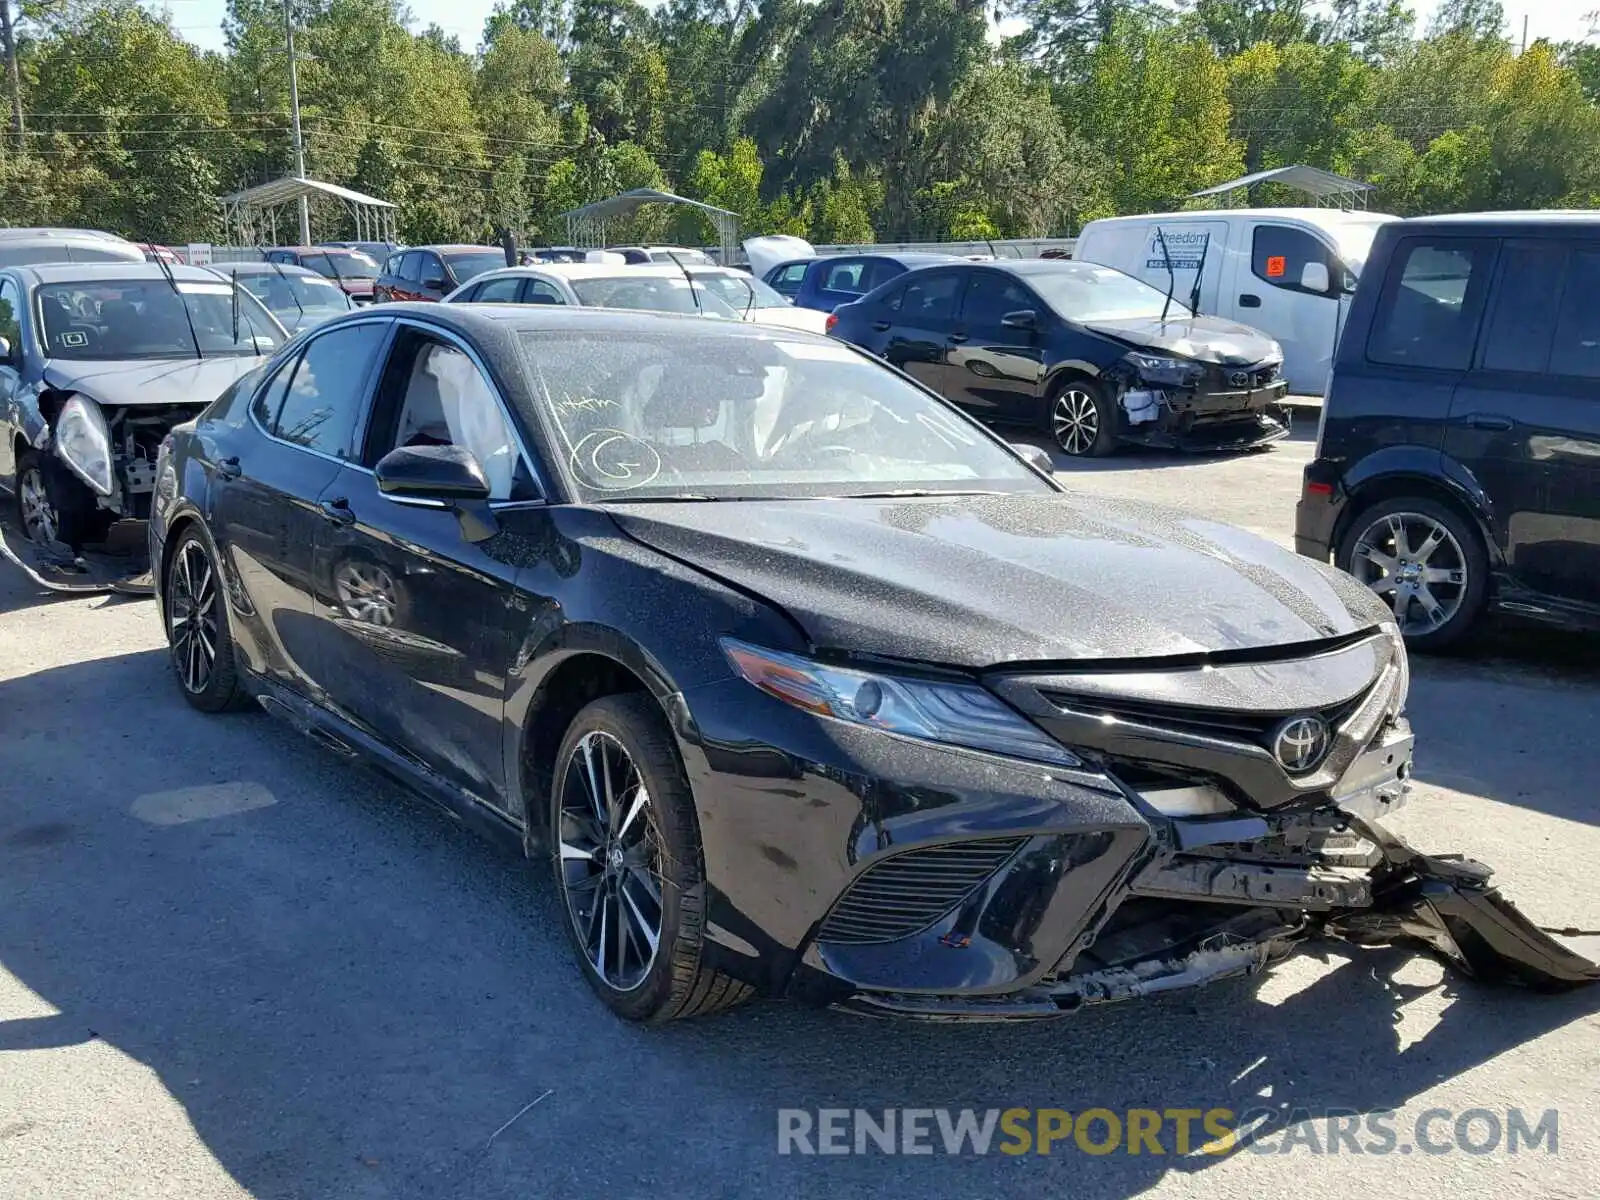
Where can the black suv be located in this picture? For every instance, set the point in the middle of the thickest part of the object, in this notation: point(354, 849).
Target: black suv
point(1458, 464)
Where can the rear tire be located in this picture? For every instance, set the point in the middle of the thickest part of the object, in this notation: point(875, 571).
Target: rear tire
point(1424, 559)
point(625, 851)
point(194, 603)
point(1082, 421)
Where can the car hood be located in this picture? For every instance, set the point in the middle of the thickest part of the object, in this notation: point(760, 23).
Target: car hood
point(767, 252)
point(1204, 339)
point(979, 581)
point(149, 381)
point(790, 317)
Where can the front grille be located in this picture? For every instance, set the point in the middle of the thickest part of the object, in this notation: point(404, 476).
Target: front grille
point(1239, 379)
point(1230, 724)
point(902, 895)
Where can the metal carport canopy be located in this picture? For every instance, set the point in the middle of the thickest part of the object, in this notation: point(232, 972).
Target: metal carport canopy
point(587, 223)
point(374, 217)
point(1314, 181)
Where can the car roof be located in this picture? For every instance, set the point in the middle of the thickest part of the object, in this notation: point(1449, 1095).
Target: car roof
point(1519, 219)
point(452, 247)
point(44, 232)
point(1317, 216)
point(559, 318)
point(908, 258)
point(86, 272)
point(592, 271)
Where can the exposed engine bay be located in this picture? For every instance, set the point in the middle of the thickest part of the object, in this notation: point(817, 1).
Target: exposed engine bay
point(1174, 403)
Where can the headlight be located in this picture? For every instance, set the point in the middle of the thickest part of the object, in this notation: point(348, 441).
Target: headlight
point(1158, 368)
point(1403, 692)
point(955, 714)
point(83, 442)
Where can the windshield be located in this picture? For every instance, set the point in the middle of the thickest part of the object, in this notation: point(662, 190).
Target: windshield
point(736, 290)
point(341, 264)
point(470, 264)
point(652, 294)
point(1354, 242)
point(145, 318)
point(694, 258)
point(1086, 292)
point(289, 295)
point(650, 416)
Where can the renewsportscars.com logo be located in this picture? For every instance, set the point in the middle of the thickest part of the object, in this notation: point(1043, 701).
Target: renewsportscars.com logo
point(1171, 1131)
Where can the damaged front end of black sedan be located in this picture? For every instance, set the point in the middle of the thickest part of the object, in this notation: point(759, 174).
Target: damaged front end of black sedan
point(1245, 834)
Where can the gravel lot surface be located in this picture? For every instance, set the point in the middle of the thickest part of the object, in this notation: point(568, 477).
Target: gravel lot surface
point(232, 965)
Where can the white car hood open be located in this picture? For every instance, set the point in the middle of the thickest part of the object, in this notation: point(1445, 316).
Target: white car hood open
point(767, 252)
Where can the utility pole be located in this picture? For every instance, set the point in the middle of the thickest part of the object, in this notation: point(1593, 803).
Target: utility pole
point(1524, 33)
point(294, 112)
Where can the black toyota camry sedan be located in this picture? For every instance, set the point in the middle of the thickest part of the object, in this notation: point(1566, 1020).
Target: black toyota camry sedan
point(800, 681)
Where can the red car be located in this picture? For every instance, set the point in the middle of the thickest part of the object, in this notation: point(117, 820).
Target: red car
point(155, 253)
point(352, 270)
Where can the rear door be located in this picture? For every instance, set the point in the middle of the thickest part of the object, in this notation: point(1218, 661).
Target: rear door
point(831, 282)
point(1272, 296)
point(1525, 420)
point(994, 370)
point(306, 416)
point(787, 278)
point(417, 624)
point(916, 323)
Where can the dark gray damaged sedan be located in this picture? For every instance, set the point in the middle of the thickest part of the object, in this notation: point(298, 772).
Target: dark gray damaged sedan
point(796, 678)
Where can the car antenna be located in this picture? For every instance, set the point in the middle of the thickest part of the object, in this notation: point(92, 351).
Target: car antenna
point(693, 295)
point(1199, 274)
point(1172, 279)
point(188, 317)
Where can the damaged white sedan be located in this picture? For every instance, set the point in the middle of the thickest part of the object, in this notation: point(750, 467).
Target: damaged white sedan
point(98, 363)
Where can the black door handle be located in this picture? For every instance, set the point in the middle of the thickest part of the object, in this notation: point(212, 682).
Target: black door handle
point(229, 468)
point(880, 326)
point(958, 337)
point(1249, 300)
point(338, 511)
point(1489, 421)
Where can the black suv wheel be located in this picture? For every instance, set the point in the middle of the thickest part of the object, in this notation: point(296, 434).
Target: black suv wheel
point(1426, 561)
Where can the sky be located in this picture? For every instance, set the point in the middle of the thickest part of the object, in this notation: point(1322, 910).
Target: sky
point(201, 20)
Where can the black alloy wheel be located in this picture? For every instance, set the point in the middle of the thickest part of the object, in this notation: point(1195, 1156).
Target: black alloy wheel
point(625, 848)
point(197, 627)
point(1081, 421)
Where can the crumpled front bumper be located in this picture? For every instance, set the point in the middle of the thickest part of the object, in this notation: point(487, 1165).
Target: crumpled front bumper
point(1442, 903)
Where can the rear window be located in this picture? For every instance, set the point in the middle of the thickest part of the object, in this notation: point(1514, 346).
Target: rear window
point(1577, 336)
point(1428, 313)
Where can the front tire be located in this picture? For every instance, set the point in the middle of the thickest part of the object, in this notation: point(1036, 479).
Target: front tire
point(625, 849)
point(35, 513)
point(1082, 421)
point(1426, 561)
point(197, 627)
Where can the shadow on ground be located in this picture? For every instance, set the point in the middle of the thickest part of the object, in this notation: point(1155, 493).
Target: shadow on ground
point(350, 995)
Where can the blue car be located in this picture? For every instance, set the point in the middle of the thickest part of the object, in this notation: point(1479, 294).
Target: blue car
point(844, 278)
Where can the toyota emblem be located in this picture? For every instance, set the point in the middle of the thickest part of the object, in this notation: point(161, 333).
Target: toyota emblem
point(1300, 743)
point(1239, 379)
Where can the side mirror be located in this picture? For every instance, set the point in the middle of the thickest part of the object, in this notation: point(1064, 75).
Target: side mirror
point(443, 473)
point(1023, 318)
point(1035, 457)
point(1314, 278)
point(435, 285)
point(440, 477)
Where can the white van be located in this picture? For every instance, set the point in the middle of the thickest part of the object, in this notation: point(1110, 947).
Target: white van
point(1288, 272)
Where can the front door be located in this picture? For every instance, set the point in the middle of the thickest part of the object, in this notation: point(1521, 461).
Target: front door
point(1270, 295)
point(418, 624)
point(267, 499)
point(996, 370)
point(1525, 420)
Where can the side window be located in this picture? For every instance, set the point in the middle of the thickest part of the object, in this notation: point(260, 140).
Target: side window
point(1279, 253)
point(845, 276)
point(1427, 314)
point(433, 270)
point(436, 396)
point(793, 273)
point(1522, 317)
point(930, 299)
point(540, 292)
point(270, 397)
point(411, 267)
point(991, 295)
point(1577, 337)
point(10, 307)
point(894, 299)
point(325, 395)
point(499, 291)
point(318, 263)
